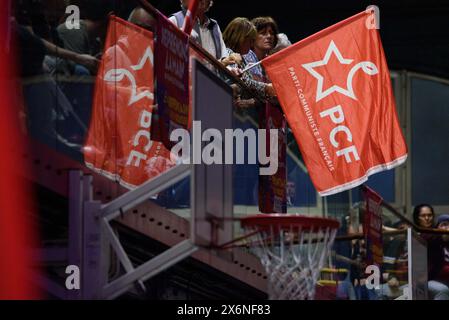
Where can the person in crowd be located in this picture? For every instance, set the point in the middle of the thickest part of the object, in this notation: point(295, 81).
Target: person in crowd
point(34, 48)
point(142, 18)
point(395, 263)
point(56, 12)
point(437, 252)
point(34, 13)
point(283, 43)
point(255, 78)
point(438, 261)
point(266, 41)
point(206, 31)
point(391, 289)
point(424, 215)
point(239, 37)
point(396, 256)
point(291, 193)
point(87, 39)
point(45, 103)
point(118, 54)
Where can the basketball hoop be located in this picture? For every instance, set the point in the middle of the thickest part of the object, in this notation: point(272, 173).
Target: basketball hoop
point(292, 249)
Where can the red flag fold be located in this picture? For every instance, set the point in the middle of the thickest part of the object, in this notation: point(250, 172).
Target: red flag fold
point(335, 90)
point(119, 143)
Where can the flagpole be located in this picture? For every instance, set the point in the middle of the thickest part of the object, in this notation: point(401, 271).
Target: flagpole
point(190, 17)
point(251, 66)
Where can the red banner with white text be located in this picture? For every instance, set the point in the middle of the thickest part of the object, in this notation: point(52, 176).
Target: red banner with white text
point(172, 73)
point(119, 143)
point(372, 227)
point(335, 90)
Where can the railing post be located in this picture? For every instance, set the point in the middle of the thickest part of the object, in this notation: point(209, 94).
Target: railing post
point(94, 270)
point(75, 240)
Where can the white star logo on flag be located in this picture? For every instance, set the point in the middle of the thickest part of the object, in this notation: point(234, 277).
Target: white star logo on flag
point(117, 75)
point(367, 66)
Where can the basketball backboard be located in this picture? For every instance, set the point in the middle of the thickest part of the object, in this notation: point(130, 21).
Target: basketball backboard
point(211, 185)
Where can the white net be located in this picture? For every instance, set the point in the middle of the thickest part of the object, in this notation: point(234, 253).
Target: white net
point(292, 256)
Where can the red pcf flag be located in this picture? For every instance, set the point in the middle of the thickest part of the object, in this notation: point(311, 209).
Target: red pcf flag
point(335, 90)
point(119, 143)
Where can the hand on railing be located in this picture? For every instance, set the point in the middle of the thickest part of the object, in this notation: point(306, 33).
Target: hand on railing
point(233, 58)
point(236, 72)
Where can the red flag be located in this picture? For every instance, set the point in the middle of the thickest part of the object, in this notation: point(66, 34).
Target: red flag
point(273, 189)
point(335, 90)
point(189, 21)
point(372, 227)
point(172, 74)
point(119, 143)
point(18, 234)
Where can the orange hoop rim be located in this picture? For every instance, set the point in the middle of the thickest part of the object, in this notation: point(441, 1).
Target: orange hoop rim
point(286, 222)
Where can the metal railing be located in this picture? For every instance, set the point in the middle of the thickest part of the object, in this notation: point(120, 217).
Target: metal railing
point(210, 59)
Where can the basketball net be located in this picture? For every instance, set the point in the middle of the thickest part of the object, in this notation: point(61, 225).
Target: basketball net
point(292, 254)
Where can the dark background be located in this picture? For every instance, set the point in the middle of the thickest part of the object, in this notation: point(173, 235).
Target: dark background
point(415, 33)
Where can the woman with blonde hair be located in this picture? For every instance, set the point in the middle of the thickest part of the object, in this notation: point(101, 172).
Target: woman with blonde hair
point(239, 37)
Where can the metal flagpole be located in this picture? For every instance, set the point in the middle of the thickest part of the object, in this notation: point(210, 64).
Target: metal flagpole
point(251, 66)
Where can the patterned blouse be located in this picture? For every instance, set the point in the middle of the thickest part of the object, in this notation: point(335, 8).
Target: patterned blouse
point(252, 77)
point(257, 72)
